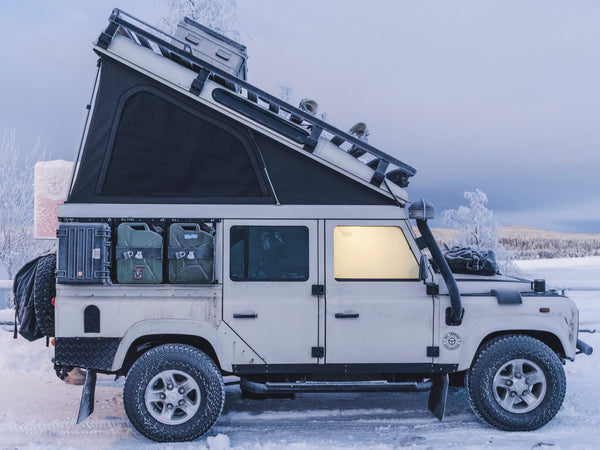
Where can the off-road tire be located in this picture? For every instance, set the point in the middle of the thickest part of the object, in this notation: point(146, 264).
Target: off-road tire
point(181, 358)
point(490, 359)
point(44, 290)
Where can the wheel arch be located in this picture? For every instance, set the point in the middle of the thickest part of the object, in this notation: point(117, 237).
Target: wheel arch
point(144, 335)
point(548, 338)
point(145, 343)
point(553, 338)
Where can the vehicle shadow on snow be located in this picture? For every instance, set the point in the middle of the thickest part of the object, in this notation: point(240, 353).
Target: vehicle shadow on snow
point(399, 404)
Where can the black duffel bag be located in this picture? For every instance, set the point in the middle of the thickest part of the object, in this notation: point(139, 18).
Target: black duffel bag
point(471, 261)
point(23, 289)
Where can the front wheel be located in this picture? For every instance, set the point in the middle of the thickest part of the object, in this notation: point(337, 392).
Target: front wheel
point(173, 392)
point(516, 383)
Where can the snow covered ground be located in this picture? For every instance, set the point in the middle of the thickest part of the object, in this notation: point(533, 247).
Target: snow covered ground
point(37, 410)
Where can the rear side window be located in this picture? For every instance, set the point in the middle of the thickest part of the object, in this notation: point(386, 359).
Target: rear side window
point(269, 253)
point(161, 149)
point(372, 253)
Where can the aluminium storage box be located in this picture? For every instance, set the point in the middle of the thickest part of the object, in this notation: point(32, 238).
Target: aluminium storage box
point(83, 253)
point(191, 254)
point(138, 254)
point(212, 47)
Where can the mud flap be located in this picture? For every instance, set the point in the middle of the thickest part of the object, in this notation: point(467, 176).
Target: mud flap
point(438, 396)
point(86, 407)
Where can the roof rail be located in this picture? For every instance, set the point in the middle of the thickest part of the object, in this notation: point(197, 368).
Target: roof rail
point(254, 102)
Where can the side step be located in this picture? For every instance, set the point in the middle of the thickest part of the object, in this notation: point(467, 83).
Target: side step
point(438, 387)
point(334, 386)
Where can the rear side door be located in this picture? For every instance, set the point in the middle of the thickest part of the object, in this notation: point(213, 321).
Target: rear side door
point(377, 310)
point(269, 269)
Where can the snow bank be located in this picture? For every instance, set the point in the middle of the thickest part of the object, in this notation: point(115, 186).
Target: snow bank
point(564, 273)
point(7, 315)
point(50, 186)
point(21, 356)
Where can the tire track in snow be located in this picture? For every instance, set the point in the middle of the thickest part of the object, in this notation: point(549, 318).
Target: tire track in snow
point(114, 426)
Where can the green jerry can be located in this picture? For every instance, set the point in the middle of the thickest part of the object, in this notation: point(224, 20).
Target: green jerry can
point(191, 254)
point(139, 254)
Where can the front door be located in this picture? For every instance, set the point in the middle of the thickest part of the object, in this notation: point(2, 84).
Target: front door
point(377, 310)
point(269, 269)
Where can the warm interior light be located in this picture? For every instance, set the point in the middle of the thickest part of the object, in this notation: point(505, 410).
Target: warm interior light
point(372, 253)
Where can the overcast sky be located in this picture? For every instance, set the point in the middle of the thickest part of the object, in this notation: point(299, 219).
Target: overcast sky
point(502, 96)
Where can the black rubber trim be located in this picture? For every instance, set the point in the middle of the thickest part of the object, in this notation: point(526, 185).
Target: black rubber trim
point(507, 296)
point(491, 280)
point(343, 369)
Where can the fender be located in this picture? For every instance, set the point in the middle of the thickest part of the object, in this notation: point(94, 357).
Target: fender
point(171, 326)
point(517, 323)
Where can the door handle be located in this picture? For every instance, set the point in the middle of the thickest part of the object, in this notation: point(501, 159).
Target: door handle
point(348, 315)
point(245, 316)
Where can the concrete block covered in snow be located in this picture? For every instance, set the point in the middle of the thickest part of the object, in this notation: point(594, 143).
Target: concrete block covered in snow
point(50, 186)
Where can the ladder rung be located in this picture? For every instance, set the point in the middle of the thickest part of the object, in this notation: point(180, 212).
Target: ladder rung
point(145, 42)
point(357, 152)
point(374, 163)
point(336, 140)
point(166, 53)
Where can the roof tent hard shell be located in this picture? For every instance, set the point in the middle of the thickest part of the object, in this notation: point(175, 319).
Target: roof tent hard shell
point(171, 123)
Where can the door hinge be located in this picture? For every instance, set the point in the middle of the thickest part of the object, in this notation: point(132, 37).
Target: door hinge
point(318, 289)
point(433, 352)
point(432, 289)
point(318, 352)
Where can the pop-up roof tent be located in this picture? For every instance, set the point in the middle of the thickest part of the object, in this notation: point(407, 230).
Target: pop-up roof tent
point(168, 126)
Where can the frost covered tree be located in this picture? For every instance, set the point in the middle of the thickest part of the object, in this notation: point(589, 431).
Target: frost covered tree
point(218, 15)
point(284, 91)
point(478, 229)
point(17, 244)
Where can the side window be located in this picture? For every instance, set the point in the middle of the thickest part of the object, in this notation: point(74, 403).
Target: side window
point(161, 149)
point(372, 253)
point(268, 253)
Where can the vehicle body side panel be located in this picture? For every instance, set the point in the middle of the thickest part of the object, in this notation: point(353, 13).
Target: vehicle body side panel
point(484, 316)
point(133, 312)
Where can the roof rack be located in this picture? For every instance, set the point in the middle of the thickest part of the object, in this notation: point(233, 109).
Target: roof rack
point(253, 102)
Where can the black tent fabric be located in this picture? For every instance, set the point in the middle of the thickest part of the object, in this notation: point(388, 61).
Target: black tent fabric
point(148, 143)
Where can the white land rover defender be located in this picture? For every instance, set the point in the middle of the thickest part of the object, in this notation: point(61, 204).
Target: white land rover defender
point(212, 229)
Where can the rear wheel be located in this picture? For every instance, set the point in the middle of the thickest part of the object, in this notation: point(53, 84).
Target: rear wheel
point(173, 393)
point(517, 383)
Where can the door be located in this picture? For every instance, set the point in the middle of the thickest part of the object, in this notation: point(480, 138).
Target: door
point(377, 310)
point(269, 269)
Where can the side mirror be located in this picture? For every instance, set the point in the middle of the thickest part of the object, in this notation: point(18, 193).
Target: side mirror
point(423, 268)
